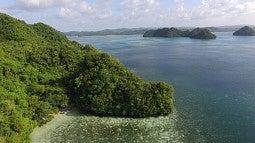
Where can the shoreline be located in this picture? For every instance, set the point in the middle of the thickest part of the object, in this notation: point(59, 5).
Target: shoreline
point(59, 119)
point(73, 126)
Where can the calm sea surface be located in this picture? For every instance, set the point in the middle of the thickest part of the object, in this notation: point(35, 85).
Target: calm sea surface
point(214, 83)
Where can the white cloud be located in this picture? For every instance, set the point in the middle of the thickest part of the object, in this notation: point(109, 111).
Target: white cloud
point(224, 8)
point(79, 8)
point(105, 15)
point(85, 7)
point(66, 8)
point(40, 4)
point(2, 8)
point(102, 14)
point(179, 1)
point(140, 6)
point(210, 11)
point(67, 13)
point(135, 12)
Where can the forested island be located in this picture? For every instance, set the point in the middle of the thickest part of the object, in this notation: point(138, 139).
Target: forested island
point(133, 31)
point(245, 31)
point(197, 33)
point(43, 72)
point(120, 31)
point(165, 32)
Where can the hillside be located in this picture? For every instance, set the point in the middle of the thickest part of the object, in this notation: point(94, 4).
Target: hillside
point(164, 32)
point(200, 33)
point(42, 72)
point(121, 31)
point(245, 31)
point(197, 33)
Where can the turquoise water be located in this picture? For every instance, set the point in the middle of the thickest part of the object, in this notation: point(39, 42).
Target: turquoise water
point(214, 83)
point(77, 128)
point(214, 80)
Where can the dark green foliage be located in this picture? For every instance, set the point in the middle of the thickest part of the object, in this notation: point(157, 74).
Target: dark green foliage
point(164, 32)
point(245, 31)
point(200, 33)
point(31, 66)
point(41, 71)
point(149, 33)
point(197, 33)
point(49, 33)
point(107, 87)
point(185, 33)
point(14, 30)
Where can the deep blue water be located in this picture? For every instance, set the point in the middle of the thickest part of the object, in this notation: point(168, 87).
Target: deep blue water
point(214, 80)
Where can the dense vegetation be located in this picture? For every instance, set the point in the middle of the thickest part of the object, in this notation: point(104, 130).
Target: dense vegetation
point(197, 33)
point(121, 31)
point(164, 32)
point(107, 87)
point(42, 72)
point(245, 31)
point(132, 31)
point(200, 33)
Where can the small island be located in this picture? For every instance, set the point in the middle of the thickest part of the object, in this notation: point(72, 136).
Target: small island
point(164, 32)
point(198, 33)
point(245, 31)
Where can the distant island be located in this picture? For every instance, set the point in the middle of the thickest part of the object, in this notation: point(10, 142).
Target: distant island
point(245, 31)
point(197, 33)
point(42, 72)
point(133, 31)
point(200, 33)
point(164, 32)
point(120, 31)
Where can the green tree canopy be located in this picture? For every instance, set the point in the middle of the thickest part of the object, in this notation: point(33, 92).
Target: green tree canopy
point(42, 72)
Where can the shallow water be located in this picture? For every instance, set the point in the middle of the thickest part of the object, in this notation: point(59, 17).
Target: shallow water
point(74, 127)
point(214, 90)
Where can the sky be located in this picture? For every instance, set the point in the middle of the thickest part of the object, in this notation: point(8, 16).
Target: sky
point(92, 15)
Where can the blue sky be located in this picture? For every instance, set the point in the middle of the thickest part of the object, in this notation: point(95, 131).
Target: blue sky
point(90, 15)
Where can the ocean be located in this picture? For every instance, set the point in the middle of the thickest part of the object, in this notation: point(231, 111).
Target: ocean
point(214, 97)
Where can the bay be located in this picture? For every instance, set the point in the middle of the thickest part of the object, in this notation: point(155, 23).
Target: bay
point(214, 91)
